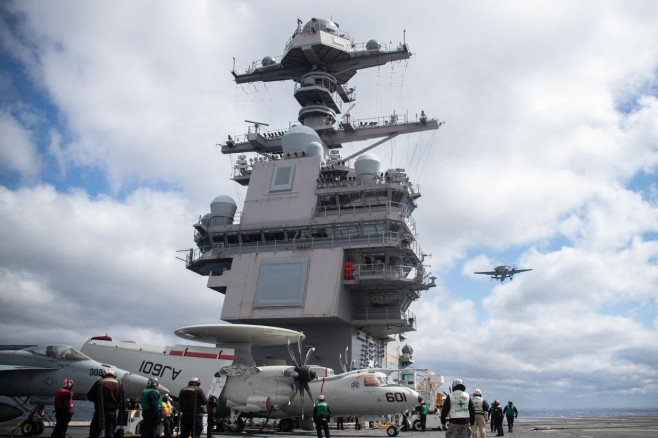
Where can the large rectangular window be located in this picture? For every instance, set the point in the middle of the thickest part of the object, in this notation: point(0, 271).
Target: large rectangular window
point(282, 178)
point(281, 283)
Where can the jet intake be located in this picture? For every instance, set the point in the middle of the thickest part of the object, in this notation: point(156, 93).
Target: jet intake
point(254, 403)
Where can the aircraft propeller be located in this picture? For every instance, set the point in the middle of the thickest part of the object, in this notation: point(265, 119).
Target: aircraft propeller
point(343, 364)
point(301, 374)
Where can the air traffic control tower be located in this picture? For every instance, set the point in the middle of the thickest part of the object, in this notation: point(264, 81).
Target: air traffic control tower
point(325, 244)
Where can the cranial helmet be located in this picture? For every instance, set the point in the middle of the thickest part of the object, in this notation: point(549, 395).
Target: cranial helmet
point(109, 372)
point(510, 402)
point(195, 381)
point(152, 382)
point(321, 397)
point(67, 382)
point(458, 382)
point(477, 392)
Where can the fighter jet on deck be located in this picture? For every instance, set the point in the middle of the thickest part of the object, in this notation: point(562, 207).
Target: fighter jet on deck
point(502, 272)
point(36, 372)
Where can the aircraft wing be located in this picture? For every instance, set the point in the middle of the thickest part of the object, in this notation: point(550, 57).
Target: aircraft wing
point(521, 270)
point(487, 273)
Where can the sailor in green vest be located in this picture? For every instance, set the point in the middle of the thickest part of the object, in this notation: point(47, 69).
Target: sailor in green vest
point(321, 415)
point(422, 412)
point(151, 406)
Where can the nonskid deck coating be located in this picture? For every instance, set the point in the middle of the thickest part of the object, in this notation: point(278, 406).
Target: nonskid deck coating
point(606, 427)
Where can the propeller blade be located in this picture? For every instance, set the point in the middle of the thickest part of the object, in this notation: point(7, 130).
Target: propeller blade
point(299, 349)
point(308, 355)
point(292, 355)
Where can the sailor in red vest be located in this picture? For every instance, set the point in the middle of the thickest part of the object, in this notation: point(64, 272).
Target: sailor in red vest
point(349, 269)
point(63, 409)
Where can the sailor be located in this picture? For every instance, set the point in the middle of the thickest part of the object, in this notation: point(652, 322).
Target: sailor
point(321, 415)
point(511, 413)
point(151, 406)
point(458, 406)
point(422, 412)
point(192, 401)
point(497, 418)
point(63, 409)
point(211, 408)
point(109, 404)
point(349, 270)
point(167, 416)
point(481, 414)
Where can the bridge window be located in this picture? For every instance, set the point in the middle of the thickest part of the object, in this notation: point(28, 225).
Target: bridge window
point(251, 238)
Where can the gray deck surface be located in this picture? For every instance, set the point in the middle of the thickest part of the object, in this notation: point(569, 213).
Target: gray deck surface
point(523, 428)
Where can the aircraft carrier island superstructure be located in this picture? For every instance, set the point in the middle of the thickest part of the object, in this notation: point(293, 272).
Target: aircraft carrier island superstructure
point(325, 244)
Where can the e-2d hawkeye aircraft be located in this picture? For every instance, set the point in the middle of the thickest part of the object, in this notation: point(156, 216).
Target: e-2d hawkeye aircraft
point(37, 372)
point(261, 391)
point(502, 272)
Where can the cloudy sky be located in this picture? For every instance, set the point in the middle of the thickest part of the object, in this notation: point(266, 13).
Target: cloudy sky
point(110, 113)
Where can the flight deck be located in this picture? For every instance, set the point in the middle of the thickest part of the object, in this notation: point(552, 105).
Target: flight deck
point(602, 427)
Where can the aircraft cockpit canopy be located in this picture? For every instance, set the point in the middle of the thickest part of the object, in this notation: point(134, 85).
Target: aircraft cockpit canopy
point(62, 352)
point(378, 381)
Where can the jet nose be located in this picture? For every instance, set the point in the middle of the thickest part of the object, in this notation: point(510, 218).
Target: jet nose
point(134, 385)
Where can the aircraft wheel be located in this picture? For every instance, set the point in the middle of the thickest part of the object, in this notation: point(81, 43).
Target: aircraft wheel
point(285, 424)
point(30, 427)
point(392, 431)
point(417, 426)
point(40, 428)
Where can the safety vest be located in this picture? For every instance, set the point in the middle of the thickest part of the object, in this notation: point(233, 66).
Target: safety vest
point(321, 408)
point(145, 402)
point(59, 399)
point(166, 408)
point(459, 405)
point(478, 402)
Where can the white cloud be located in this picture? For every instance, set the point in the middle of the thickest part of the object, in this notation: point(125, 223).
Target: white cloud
point(17, 152)
point(549, 112)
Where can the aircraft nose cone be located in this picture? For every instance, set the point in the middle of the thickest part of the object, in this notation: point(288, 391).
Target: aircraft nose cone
point(134, 385)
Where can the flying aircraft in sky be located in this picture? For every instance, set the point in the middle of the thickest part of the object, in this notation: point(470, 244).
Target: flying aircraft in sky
point(274, 391)
point(36, 372)
point(502, 272)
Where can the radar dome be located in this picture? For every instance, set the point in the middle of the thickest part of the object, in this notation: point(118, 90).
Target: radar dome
point(313, 149)
point(297, 138)
point(317, 24)
point(367, 164)
point(373, 45)
point(268, 60)
point(222, 210)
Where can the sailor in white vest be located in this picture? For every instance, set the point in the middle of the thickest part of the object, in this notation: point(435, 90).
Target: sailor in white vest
point(459, 408)
point(481, 415)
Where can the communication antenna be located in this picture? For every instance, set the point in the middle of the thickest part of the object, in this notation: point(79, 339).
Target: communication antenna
point(257, 124)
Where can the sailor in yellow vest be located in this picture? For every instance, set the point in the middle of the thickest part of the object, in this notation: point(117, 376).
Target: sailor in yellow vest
point(459, 407)
point(167, 416)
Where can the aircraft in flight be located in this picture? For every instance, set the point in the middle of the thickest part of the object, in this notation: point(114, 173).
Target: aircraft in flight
point(502, 272)
point(36, 372)
point(273, 391)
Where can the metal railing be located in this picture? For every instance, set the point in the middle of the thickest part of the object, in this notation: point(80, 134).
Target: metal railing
point(389, 239)
point(388, 314)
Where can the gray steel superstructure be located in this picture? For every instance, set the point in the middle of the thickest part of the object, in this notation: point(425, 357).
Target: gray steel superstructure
point(325, 244)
